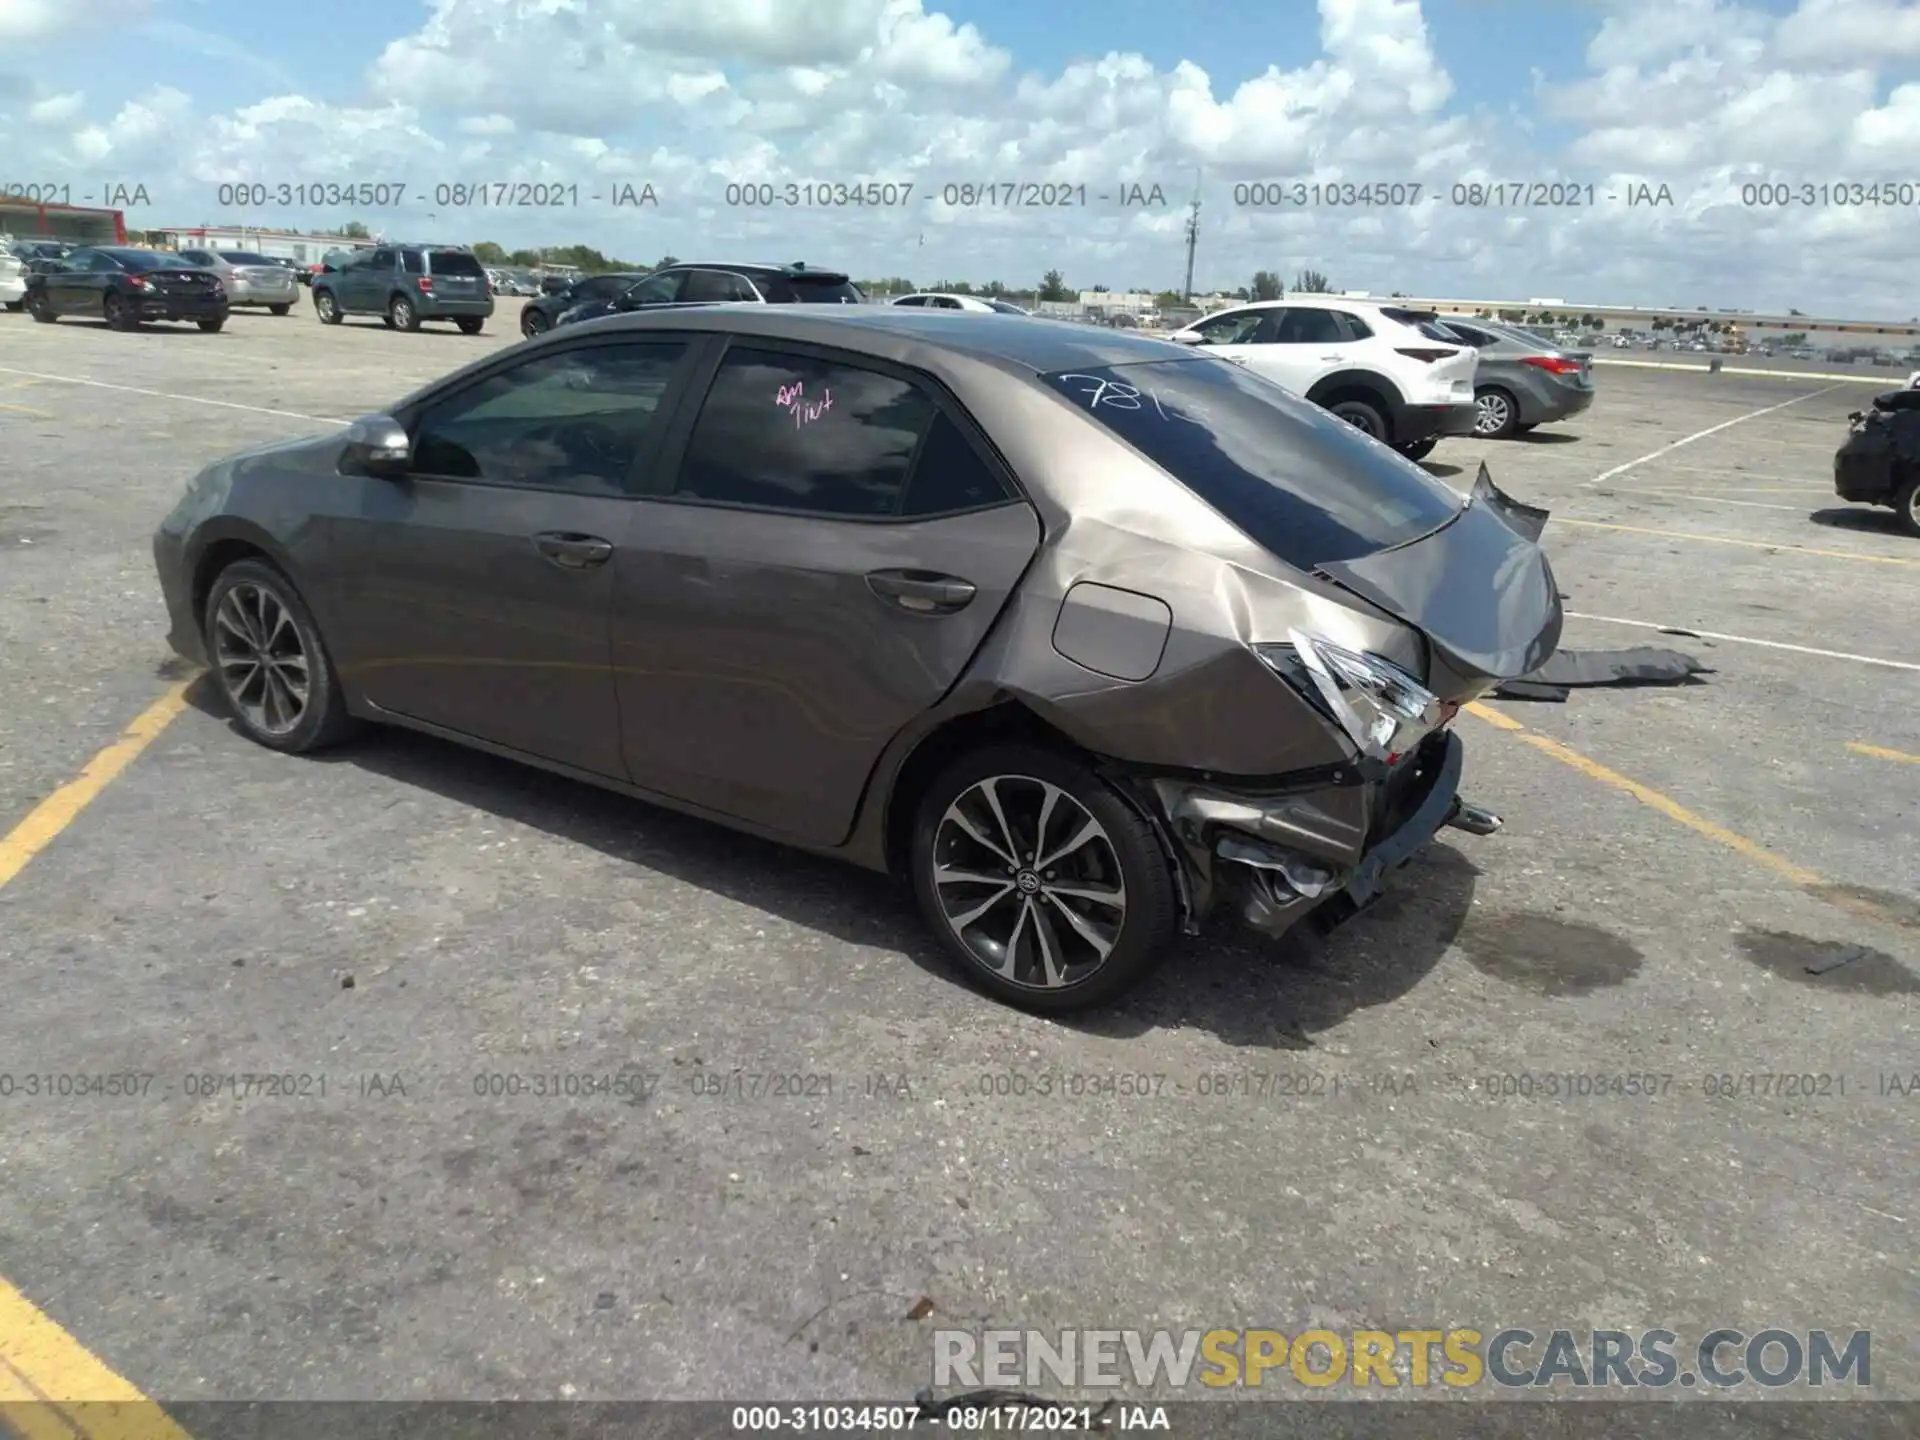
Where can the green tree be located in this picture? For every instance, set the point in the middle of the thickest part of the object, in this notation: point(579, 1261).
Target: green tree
point(524, 259)
point(664, 261)
point(1266, 285)
point(1053, 287)
point(1312, 282)
point(488, 253)
point(1169, 297)
point(354, 230)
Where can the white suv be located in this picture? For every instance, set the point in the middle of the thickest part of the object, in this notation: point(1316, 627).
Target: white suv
point(13, 276)
point(1382, 368)
point(976, 304)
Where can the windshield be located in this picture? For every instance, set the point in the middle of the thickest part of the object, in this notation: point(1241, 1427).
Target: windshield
point(1005, 309)
point(241, 257)
point(1308, 487)
point(825, 290)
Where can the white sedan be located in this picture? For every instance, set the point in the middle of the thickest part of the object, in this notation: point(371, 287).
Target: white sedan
point(978, 304)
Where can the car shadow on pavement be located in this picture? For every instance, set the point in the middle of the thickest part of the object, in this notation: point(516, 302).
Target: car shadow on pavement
point(1249, 992)
point(1859, 518)
point(1545, 437)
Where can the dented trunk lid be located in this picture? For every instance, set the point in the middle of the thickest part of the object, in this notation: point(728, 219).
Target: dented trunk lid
point(1479, 589)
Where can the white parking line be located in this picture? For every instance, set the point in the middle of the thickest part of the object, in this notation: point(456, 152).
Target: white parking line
point(1710, 499)
point(1749, 640)
point(169, 395)
point(1607, 475)
point(1745, 370)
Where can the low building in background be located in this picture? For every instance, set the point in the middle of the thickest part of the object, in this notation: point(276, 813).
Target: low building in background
point(75, 224)
point(298, 246)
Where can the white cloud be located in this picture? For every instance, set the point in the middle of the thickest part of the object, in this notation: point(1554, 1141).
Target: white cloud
point(1701, 95)
point(28, 22)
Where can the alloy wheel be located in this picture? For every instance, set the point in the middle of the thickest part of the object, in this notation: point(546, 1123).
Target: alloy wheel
point(1029, 881)
point(1491, 414)
point(261, 659)
point(1361, 417)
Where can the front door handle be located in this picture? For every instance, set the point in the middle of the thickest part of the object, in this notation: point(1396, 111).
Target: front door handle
point(1333, 357)
point(922, 591)
point(573, 551)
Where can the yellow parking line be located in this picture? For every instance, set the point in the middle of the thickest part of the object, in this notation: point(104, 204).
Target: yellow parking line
point(53, 1386)
point(1797, 875)
point(1879, 752)
point(1652, 798)
point(1729, 540)
point(46, 820)
point(27, 410)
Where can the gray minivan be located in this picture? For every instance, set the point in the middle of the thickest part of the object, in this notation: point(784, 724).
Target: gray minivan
point(406, 285)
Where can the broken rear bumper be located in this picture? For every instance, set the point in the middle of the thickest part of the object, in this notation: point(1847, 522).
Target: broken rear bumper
point(1323, 848)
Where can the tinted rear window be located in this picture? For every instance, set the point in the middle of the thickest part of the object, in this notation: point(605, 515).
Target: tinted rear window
point(1422, 320)
point(454, 262)
point(825, 290)
point(145, 259)
point(1310, 488)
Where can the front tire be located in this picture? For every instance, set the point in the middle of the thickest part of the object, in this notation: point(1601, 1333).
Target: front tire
point(327, 308)
point(41, 309)
point(1046, 887)
point(14, 306)
point(533, 323)
point(269, 662)
point(1907, 506)
point(401, 315)
point(1496, 414)
point(212, 327)
point(1419, 450)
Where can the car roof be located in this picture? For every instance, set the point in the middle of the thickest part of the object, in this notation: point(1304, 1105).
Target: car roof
point(1309, 299)
point(1018, 343)
point(765, 267)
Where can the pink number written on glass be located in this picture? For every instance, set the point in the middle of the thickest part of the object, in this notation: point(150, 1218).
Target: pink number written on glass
point(792, 398)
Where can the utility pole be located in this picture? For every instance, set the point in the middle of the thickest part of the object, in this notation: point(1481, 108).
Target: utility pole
point(1193, 236)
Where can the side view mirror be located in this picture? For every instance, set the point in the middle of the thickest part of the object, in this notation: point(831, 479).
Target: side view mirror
point(1187, 337)
point(378, 445)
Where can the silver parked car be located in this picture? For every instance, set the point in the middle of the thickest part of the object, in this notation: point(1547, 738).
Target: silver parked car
point(1522, 381)
point(1080, 633)
point(250, 279)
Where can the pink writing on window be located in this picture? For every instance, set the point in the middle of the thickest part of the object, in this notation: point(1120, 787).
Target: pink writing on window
point(792, 398)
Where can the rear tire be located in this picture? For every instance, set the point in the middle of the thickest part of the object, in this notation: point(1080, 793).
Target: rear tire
point(1907, 506)
point(1113, 890)
point(278, 309)
point(1364, 416)
point(212, 327)
point(114, 311)
point(252, 600)
point(1496, 413)
point(470, 326)
point(327, 308)
point(41, 310)
point(401, 315)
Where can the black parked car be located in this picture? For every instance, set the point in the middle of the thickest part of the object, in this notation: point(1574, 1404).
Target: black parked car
point(538, 314)
point(723, 284)
point(405, 285)
point(125, 287)
point(1879, 464)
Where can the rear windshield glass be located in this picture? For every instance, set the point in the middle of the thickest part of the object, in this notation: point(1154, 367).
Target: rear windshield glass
point(1425, 321)
point(454, 262)
point(1308, 487)
point(241, 257)
point(145, 259)
point(825, 290)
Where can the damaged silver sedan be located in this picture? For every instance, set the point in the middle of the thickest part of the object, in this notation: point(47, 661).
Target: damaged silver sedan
point(1084, 635)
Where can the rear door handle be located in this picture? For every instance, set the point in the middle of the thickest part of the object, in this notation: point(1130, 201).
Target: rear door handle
point(572, 551)
point(922, 591)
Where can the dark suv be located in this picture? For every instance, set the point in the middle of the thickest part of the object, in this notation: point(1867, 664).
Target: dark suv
point(723, 284)
point(405, 285)
point(538, 314)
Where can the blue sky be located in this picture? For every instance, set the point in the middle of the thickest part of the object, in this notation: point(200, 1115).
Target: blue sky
point(1701, 96)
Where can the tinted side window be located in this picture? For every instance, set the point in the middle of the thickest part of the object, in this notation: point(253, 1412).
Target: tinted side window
point(657, 289)
point(950, 475)
point(915, 300)
point(790, 432)
point(381, 260)
point(1309, 327)
point(601, 287)
point(715, 286)
point(1351, 326)
point(103, 263)
point(414, 262)
point(572, 421)
point(1236, 327)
